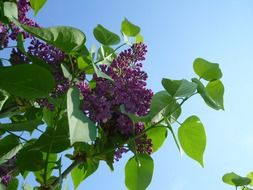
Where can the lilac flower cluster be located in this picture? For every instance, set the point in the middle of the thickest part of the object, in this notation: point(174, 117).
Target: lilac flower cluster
point(143, 143)
point(6, 171)
point(3, 36)
point(23, 9)
point(51, 55)
point(128, 88)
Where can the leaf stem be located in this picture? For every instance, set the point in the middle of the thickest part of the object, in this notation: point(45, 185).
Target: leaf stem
point(66, 172)
point(16, 135)
point(110, 53)
point(5, 59)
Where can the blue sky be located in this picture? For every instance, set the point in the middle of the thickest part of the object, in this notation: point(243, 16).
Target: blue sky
point(176, 32)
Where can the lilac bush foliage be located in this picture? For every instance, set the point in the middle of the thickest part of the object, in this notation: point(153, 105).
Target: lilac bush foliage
point(95, 104)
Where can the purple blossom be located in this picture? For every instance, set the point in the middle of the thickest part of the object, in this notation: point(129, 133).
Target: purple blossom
point(3, 36)
point(45, 103)
point(119, 152)
point(23, 9)
point(6, 170)
point(128, 88)
point(6, 179)
point(16, 57)
point(143, 143)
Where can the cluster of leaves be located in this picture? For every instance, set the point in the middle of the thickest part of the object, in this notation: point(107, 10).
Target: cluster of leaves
point(67, 127)
point(245, 183)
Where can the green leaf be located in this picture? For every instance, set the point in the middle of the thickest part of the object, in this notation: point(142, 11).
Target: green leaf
point(101, 74)
point(51, 164)
point(26, 187)
point(139, 39)
point(179, 88)
point(81, 128)
point(7, 144)
point(21, 80)
point(158, 136)
point(3, 98)
point(192, 137)
point(10, 10)
point(10, 154)
point(13, 185)
point(66, 38)
point(216, 91)
point(66, 72)
point(30, 160)
point(235, 180)
point(206, 96)
point(107, 54)
point(83, 62)
point(207, 70)
point(139, 172)
point(80, 173)
point(56, 139)
point(241, 181)
point(162, 104)
point(250, 175)
point(129, 28)
point(105, 36)
point(21, 126)
point(37, 5)
point(48, 117)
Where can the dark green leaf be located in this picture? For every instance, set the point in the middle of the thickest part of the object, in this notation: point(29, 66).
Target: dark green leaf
point(205, 95)
point(241, 181)
point(3, 98)
point(37, 5)
point(10, 154)
point(81, 128)
point(21, 126)
point(192, 137)
point(179, 88)
point(13, 185)
point(7, 144)
point(207, 70)
point(22, 81)
point(105, 36)
point(10, 10)
point(227, 178)
point(139, 172)
point(158, 136)
point(235, 180)
point(129, 28)
point(80, 173)
point(66, 38)
point(30, 160)
point(216, 91)
point(51, 164)
point(56, 139)
point(48, 117)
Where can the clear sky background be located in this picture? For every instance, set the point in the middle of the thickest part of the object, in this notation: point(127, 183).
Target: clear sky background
point(176, 32)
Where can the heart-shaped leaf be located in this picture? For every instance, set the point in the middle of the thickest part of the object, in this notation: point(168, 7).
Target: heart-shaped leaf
point(105, 36)
point(192, 137)
point(139, 172)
